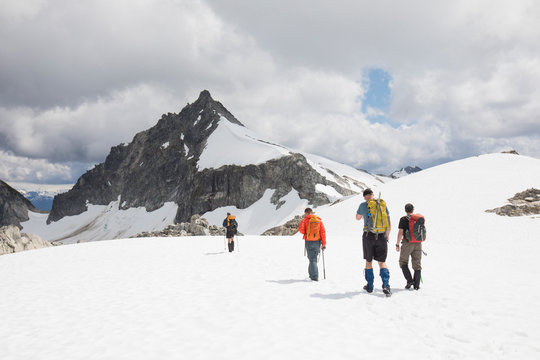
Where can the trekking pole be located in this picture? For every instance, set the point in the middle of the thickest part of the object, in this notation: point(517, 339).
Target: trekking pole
point(323, 266)
point(237, 244)
point(225, 242)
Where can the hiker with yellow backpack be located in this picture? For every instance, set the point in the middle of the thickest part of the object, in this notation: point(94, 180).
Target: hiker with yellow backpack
point(375, 238)
point(314, 233)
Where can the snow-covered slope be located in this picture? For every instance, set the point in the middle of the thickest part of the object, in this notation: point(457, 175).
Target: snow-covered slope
point(187, 297)
point(232, 144)
point(101, 222)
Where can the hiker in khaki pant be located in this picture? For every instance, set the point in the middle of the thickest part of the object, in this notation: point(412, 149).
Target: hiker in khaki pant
point(408, 249)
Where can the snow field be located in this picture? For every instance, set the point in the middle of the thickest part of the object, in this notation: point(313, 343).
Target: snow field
point(186, 297)
point(170, 297)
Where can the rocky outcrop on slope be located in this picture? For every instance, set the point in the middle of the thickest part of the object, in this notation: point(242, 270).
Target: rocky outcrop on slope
point(524, 203)
point(197, 226)
point(160, 165)
point(12, 240)
point(14, 206)
point(289, 228)
point(512, 151)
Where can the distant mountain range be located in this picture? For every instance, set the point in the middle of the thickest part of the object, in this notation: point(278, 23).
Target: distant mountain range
point(40, 195)
point(404, 172)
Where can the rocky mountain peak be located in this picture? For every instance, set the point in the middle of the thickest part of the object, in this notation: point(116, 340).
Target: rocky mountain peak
point(168, 163)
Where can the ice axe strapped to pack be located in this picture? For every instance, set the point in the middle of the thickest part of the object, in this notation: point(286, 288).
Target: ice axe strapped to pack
point(377, 217)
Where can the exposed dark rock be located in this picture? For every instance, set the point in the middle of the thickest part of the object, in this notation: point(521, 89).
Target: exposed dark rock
point(524, 203)
point(510, 152)
point(12, 240)
point(160, 165)
point(14, 206)
point(289, 228)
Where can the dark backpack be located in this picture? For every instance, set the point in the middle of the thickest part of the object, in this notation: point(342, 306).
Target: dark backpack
point(417, 229)
point(233, 225)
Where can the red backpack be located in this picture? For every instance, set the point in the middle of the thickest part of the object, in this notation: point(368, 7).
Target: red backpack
point(417, 229)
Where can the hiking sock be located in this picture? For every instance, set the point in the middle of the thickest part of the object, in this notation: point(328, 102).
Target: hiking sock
point(417, 278)
point(232, 245)
point(368, 274)
point(385, 276)
point(408, 276)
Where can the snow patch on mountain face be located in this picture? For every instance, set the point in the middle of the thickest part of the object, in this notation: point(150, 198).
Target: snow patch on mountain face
point(342, 174)
point(101, 222)
point(262, 215)
point(329, 191)
point(232, 144)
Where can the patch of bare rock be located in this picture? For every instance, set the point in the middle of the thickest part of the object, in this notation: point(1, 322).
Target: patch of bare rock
point(524, 203)
point(12, 240)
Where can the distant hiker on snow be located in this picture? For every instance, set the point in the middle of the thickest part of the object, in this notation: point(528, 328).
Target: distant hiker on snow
point(315, 236)
point(232, 228)
point(411, 233)
point(375, 238)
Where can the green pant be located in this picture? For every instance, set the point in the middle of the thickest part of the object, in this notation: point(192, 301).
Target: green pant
point(414, 250)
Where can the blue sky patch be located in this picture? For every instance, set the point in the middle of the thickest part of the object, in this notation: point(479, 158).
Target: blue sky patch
point(378, 96)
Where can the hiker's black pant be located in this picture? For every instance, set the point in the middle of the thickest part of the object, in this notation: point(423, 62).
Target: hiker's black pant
point(375, 246)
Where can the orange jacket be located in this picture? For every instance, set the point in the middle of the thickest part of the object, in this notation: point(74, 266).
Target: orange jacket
point(303, 225)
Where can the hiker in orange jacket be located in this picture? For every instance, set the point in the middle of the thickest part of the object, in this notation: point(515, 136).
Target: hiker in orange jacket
point(314, 233)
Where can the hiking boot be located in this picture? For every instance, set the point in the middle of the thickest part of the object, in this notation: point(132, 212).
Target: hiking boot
point(368, 289)
point(409, 284)
point(386, 290)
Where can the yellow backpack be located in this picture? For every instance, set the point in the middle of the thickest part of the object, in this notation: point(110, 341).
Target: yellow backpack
point(377, 219)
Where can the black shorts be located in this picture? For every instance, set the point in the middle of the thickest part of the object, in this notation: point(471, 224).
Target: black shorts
point(230, 234)
point(375, 246)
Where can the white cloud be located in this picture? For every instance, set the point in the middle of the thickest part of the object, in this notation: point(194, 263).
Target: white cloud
point(17, 168)
point(85, 132)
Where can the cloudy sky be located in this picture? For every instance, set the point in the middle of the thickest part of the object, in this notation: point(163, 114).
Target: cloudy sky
point(377, 84)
